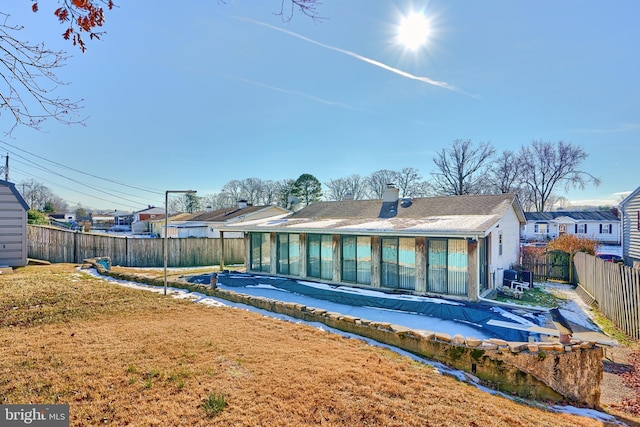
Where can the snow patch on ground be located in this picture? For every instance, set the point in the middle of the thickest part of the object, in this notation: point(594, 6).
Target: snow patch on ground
point(574, 308)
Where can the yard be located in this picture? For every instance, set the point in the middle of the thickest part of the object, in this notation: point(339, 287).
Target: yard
point(121, 356)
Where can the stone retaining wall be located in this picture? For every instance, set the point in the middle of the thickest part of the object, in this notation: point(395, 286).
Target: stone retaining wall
point(548, 371)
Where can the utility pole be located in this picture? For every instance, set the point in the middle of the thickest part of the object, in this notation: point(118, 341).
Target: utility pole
point(5, 168)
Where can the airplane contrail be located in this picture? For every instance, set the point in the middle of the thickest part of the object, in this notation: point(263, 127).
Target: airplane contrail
point(402, 73)
point(292, 92)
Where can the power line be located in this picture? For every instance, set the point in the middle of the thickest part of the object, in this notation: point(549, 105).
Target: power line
point(119, 194)
point(138, 204)
point(76, 181)
point(154, 191)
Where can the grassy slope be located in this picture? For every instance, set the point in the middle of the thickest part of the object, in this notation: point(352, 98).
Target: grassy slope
point(126, 357)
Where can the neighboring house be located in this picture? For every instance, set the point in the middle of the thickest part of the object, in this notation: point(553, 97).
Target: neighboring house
point(102, 221)
point(141, 219)
point(122, 219)
point(13, 226)
point(207, 224)
point(156, 226)
point(454, 246)
point(630, 210)
point(64, 220)
point(603, 226)
point(64, 217)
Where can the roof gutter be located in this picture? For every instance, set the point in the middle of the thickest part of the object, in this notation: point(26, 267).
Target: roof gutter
point(477, 234)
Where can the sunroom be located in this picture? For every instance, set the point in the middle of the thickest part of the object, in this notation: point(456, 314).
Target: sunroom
point(453, 246)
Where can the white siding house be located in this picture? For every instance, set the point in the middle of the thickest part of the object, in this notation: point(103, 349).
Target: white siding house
point(603, 226)
point(13, 226)
point(630, 209)
point(208, 224)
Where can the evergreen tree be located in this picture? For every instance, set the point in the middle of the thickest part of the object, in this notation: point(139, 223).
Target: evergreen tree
point(308, 189)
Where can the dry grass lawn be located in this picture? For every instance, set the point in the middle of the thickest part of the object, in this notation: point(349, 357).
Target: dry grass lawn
point(126, 357)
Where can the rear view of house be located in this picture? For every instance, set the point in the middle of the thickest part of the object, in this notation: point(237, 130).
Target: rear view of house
point(13, 226)
point(456, 246)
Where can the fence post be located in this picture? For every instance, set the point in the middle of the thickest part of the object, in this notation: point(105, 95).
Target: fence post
point(75, 247)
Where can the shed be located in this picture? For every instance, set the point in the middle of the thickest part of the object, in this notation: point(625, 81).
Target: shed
point(13, 226)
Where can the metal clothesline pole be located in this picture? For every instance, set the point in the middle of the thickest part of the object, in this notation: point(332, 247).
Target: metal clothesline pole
point(165, 246)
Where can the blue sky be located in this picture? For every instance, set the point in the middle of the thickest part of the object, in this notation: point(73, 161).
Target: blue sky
point(196, 95)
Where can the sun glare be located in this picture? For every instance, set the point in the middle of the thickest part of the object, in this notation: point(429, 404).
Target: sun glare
point(413, 31)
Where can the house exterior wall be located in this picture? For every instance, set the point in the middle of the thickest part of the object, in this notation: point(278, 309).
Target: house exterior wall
point(420, 285)
point(631, 229)
point(529, 232)
point(596, 230)
point(504, 244)
point(13, 228)
point(462, 260)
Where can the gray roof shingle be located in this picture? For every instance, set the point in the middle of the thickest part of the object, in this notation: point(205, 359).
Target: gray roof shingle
point(451, 215)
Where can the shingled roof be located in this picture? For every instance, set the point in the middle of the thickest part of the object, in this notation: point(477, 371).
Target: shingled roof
point(452, 215)
point(600, 216)
point(225, 214)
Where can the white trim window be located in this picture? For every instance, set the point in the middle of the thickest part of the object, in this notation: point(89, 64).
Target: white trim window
point(606, 228)
point(541, 228)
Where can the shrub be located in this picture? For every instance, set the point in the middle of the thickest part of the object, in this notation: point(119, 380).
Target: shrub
point(36, 217)
point(571, 243)
point(214, 404)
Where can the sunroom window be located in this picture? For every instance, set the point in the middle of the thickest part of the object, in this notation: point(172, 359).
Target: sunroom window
point(356, 259)
point(319, 256)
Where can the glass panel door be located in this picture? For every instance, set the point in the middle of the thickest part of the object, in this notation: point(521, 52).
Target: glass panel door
point(437, 265)
point(349, 259)
point(364, 260)
point(457, 267)
point(407, 263)
point(389, 270)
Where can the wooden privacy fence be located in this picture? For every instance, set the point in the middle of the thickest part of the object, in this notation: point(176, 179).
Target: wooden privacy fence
point(57, 245)
point(552, 265)
point(615, 288)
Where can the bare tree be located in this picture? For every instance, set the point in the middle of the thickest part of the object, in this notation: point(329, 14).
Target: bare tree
point(461, 168)
point(305, 7)
point(252, 190)
point(546, 165)
point(58, 203)
point(337, 189)
point(351, 187)
point(505, 175)
point(234, 190)
point(269, 192)
point(410, 182)
point(218, 201)
point(35, 193)
point(356, 186)
point(28, 80)
point(378, 180)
